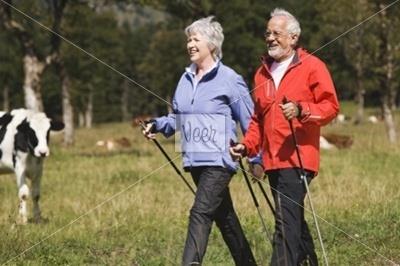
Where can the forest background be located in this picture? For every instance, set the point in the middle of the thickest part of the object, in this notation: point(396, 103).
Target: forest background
point(114, 60)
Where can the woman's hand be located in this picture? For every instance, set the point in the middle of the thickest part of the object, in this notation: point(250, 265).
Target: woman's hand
point(148, 130)
point(237, 151)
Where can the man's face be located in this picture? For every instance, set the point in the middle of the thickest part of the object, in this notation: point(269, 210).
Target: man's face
point(280, 43)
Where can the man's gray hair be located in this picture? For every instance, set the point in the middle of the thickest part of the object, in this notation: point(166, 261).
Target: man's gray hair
point(293, 25)
point(212, 30)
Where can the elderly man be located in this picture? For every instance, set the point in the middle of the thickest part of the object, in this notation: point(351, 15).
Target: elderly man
point(290, 84)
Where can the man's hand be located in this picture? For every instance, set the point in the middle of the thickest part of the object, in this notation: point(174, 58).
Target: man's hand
point(148, 130)
point(290, 110)
point(237, 151)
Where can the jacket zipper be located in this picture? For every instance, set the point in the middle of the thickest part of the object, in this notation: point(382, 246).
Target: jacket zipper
point(273, 148)
point(194, 92)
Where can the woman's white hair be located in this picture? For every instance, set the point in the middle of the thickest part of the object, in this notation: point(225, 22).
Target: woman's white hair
point(212, 30)
point(293, 25)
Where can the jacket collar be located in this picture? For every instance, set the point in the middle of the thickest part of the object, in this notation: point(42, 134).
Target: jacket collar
point(267, 61)
point(191, 69)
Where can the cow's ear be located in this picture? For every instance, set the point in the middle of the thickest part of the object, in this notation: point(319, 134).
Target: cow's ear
point(56, 125)
point(5, 119)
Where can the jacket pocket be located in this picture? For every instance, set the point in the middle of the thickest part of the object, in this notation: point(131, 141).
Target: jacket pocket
point(205, 157)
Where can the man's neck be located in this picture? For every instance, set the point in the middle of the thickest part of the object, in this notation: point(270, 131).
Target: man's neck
point(290, 54)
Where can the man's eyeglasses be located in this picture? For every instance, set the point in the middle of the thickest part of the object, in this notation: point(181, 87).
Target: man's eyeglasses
point(275, 34)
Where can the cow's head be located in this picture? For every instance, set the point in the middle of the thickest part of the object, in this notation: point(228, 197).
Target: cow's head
point(33, 134)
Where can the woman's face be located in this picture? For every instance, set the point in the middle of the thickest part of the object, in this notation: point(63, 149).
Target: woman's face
point(197, 47)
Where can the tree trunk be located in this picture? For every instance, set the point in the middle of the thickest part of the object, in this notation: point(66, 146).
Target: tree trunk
point(360, 107)
point(169, 106)
point(125, 101)
point(393, 98)
point(386, 56)
point(68, 112)
point(389, 121)
point(32, 65)
point(89, 110)
point(33, 69)
point(393, 91)
point(6, 98)
point(389, 75)
point(360, 94)
point(388, 98)
point(68, 115)
point(81, 119)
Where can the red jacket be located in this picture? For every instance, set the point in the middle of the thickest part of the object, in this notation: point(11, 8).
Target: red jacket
point(307, 82)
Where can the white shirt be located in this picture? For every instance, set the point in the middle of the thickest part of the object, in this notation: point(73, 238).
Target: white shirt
point(278, 69)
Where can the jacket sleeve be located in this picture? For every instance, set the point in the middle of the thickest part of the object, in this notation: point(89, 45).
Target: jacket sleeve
point(241, 103)
point(167, 124)
point(253, 136)
point(242, 108)
point(252, 139)
point(325, 106)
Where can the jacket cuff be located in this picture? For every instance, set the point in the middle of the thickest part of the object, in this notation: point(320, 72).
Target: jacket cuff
point(256, 159)
point(304, 111)
point(299, 109)
point(154, 126)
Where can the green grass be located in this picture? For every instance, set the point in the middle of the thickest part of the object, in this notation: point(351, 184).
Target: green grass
point(117, 209)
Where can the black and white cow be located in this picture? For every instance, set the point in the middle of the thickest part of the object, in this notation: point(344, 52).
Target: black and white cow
point(24, 138)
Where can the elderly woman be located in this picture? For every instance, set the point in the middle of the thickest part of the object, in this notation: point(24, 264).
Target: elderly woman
point(209, 100)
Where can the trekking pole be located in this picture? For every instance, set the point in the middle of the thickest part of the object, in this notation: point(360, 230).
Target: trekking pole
point(269, 203)
point(303, 177)
point(142, 124)
point(252, 195)
point(266, 197)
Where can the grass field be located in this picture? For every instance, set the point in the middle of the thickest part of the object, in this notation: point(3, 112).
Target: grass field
point(128, 207)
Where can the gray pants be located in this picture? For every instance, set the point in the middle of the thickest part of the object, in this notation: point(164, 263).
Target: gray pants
point(213, 203)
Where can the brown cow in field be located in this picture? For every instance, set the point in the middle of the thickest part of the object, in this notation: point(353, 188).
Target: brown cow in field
point(328, 140)
point(114, 143)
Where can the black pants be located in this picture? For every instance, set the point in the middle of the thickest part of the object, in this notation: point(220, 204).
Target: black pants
point(213, 203)
point(293, 244)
